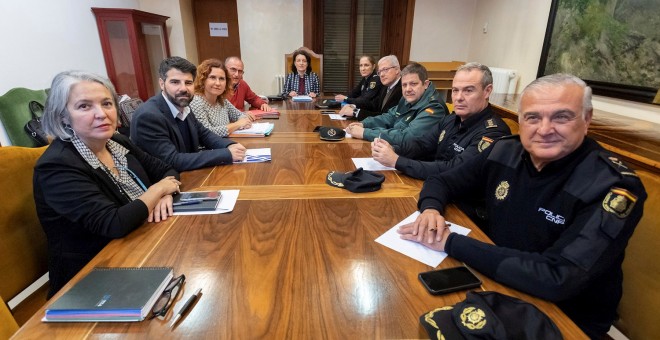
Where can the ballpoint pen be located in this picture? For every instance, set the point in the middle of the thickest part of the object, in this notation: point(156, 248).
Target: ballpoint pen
point(185, 307)
point(186, 202)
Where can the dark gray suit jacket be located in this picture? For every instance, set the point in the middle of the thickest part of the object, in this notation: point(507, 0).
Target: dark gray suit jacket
point(154, 130)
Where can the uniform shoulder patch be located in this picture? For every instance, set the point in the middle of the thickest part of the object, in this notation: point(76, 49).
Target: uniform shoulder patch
point(484, 143)
point(372, 85)
point(490, 123)
point(619, 202)
point(617, 164)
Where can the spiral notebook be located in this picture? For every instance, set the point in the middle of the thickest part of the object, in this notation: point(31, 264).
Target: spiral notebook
point(112, 295)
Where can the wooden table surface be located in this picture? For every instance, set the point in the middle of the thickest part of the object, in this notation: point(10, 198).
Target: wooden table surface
point(295, 259)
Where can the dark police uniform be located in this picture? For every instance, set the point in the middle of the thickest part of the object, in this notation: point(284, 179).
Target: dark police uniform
point(453, 142)
point(560, 233)
point(365, 91)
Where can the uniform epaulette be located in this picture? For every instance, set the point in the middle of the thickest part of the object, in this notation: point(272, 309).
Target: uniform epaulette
point(616, 164)
point(490, 123)
point(509, 137)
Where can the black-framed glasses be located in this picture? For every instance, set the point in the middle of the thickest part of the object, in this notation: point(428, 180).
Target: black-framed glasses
point(166, 299)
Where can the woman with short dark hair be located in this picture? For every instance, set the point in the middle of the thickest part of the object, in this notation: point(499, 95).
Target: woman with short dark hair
point(301, 81)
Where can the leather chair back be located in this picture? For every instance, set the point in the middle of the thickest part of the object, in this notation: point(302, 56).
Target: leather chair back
point(14, 113)
point(640, 304)
point(23, 247)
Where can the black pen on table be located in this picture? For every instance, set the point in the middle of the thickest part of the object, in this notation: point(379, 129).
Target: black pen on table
point(185, 307)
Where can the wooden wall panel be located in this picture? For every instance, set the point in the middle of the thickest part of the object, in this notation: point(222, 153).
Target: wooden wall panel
point(207, 11)
point(397, 29)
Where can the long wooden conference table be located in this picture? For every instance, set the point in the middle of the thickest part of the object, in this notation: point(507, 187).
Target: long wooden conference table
point(295, 259)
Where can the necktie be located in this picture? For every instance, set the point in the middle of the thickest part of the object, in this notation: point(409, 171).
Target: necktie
point(179, 116)
point(387, 96)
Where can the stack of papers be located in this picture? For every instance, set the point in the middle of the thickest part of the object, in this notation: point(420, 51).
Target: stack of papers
point(302, 99)
point(257, 130)
point(256, 156)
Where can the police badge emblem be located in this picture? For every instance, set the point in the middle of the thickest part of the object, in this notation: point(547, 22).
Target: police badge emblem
point(442, 136)
point(502, 190)
point(619, 202)
point(473, 318)
point(484, 143)
point(372, 85)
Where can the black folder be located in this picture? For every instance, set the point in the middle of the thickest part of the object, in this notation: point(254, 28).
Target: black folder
point(111, 294)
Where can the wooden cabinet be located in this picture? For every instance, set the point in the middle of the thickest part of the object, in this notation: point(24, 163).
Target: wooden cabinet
point(134, 43)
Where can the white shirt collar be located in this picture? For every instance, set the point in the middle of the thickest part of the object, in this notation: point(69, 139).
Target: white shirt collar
point(173, 109)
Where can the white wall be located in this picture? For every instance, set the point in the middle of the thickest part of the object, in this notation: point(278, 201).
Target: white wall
point(442, 30)
point(514, 39)
point(268, 29)
point(42, 38)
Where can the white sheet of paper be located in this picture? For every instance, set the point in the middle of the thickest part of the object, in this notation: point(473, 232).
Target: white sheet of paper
point(256, 156)
point(392, 239)
point(227, 203)
point(257, 128)
point(370, 164)
point(335, 116)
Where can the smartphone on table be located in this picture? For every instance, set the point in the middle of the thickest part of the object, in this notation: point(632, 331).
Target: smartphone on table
point(449, 280)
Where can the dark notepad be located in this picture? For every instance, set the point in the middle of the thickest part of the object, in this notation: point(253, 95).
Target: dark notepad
point(111, 294)
point(195, 205)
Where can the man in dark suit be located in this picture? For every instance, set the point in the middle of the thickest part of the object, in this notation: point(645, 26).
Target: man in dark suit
point(389, 72)
point(165, 127)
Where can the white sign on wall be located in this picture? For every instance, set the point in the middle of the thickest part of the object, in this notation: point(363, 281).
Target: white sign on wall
point(219, 29)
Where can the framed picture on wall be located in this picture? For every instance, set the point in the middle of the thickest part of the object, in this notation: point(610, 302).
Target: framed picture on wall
point(614, 45)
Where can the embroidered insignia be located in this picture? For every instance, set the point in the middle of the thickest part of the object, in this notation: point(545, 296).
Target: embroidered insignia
point(484, 143)
point(338, 184)
point(442, 136)
point(473, 318)
point(490, 123)
point(372, 85)
point(332, 132)
point(617, 162)
point(430, 111)
point(502, 190)
point(619, 202)
point(429, 320)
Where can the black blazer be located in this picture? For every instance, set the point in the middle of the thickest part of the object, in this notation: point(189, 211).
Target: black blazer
point(153, 128)
point(365, 91)
point(374, 108)
point(81, 209)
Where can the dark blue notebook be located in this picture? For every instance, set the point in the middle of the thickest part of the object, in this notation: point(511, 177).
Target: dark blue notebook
point(111, 294)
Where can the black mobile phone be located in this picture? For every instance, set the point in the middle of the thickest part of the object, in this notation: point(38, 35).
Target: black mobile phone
point(317, 128)
point(327, 112)
point(449, 280)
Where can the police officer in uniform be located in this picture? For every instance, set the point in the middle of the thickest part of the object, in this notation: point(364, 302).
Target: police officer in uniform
point(561, 208)
point(472, 129)
point(368, 88)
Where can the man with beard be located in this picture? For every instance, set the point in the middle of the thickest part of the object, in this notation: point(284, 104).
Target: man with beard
point(164, 126)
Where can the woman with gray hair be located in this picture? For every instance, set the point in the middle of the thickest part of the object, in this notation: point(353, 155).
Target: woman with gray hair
point(92, 185)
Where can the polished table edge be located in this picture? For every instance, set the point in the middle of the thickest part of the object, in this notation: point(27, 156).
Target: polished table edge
point(408, 188)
